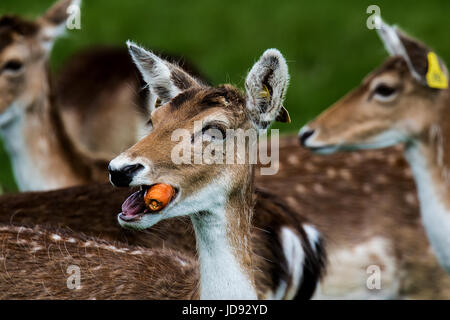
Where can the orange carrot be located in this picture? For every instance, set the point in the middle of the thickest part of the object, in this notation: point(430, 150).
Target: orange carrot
point(158, 196)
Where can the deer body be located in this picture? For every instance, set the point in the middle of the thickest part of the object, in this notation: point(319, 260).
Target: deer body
point(96, 90)
point(99, 95)
point(397, 104)
point(43, 263)
point(87, 213)
point(366, 220)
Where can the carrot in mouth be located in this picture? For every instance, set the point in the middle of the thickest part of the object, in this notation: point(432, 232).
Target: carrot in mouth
point(158, 196)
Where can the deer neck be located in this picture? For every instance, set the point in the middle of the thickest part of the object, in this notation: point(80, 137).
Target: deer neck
point(34, 139)
point(223, 242)
point(429, 158)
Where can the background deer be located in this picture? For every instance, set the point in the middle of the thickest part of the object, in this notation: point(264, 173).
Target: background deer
point(41, 126)
point(98, 92)
point(405, 101)
point(102, 98)
point(365, 206)
point(42, 154)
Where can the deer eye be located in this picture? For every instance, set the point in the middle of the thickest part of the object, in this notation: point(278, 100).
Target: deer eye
point(12, 66)
point(384, 91)
point(211, 132)
point(214, 132)
point(150, 123)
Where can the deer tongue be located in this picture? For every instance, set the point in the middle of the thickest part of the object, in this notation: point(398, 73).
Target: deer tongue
point(134, 204)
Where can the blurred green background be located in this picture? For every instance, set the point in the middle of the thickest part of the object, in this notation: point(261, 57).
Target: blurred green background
point(327, 44)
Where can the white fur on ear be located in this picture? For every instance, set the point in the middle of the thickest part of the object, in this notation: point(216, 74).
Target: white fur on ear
point(389, 37)
point(51, 33)
point(155, 71)
point(394, 46)
point(266, 85)
point(54, 22)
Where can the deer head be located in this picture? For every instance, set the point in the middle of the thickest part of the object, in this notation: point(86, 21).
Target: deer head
point(199, 112)
point(24, 52)
point(396, 103)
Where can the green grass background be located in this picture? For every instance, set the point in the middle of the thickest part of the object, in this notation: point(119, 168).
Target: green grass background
point(327, 45)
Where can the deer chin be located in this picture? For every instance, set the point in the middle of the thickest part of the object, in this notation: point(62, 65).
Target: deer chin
point(330, 149)
point(134, 209)
point(324, 150)
point(321, 147)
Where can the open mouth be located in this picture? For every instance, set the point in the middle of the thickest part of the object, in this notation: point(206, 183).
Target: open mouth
point(148, 200)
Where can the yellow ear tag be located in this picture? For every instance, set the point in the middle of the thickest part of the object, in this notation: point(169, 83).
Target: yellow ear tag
point(435, 76)
point(265, 93)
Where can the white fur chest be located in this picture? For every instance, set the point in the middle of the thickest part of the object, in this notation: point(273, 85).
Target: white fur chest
point(435, 215)
point(222, 277)
point(26, 169)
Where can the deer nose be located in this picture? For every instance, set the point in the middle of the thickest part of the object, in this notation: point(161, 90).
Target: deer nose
point(122, 177)
point(304, 134)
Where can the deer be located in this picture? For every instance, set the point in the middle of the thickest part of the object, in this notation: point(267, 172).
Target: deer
point(218, 198)
point(404, 102)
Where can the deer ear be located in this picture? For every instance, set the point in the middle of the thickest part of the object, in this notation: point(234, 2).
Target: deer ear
point(283, 116)
point(165, 80)
point(266, 86)
point(53, 22)
point(423, 64)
